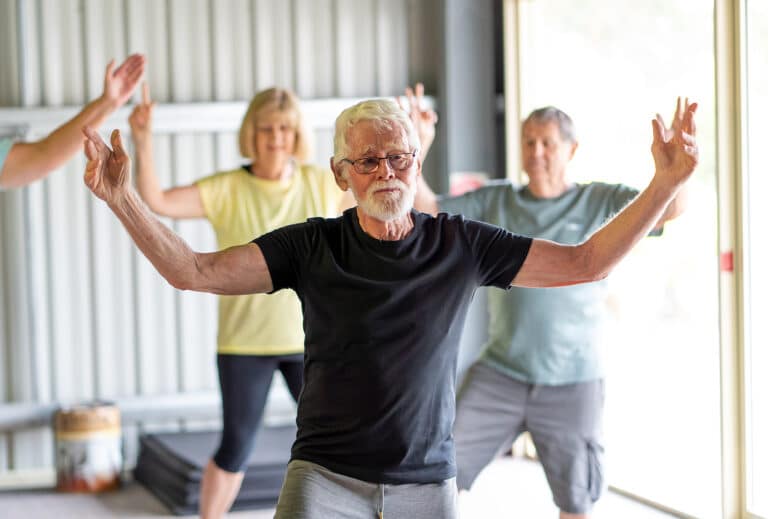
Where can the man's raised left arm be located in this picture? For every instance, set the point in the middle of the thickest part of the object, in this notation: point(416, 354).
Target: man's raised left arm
point(676, 155)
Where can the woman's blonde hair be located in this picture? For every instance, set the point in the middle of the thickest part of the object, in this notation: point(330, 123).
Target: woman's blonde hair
point(274, 99)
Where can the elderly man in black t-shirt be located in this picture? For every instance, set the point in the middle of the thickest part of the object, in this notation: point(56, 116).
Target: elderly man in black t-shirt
point(384, 290)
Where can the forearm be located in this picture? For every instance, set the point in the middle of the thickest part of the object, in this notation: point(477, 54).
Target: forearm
point(426, 200)
point(147, 182)
point(59, 146)
point(31, 161)
point(235, 271)
point(606, 247)
point(177, 202)
point(675, 208)
point(66, 140)
point(169, 254)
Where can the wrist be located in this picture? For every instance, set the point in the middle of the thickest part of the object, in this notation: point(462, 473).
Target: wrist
point(121, 199)
point(663, 184)
point(142, 141)
point(109, 103)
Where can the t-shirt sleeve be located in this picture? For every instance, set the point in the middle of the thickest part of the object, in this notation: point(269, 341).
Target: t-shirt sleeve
point(283, 250)
point(470, 204)
point(499, 253)
point(620, 196)
point(215, 195)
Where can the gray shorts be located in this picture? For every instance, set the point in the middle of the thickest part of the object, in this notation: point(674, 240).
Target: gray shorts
point(565, 423)
point(314, 492)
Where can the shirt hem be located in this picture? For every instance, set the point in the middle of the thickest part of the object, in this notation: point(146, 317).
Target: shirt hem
point(379, 477)
point(544, 381)
point(244, 350)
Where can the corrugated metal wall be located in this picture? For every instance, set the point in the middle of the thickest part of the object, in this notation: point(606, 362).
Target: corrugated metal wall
point(82, 314)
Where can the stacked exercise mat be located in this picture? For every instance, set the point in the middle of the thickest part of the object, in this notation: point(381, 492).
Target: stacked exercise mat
point(170, 465)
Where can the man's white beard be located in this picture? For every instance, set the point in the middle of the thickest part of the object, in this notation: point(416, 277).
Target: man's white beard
point(390, 206)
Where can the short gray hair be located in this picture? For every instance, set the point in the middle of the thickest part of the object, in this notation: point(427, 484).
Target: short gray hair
point(384, 114)
point(551, 114)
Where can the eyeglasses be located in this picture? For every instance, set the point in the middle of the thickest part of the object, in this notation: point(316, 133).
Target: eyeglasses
point(396, 161)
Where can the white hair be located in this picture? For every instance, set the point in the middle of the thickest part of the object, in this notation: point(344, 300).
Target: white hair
point(385, 115)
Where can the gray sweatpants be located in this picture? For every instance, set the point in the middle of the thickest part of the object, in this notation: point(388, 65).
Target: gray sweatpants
point(314, 492)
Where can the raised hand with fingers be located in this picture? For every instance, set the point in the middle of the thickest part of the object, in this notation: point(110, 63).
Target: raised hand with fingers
point(141, 117)
point(424, 119)
point(108, 171)
point(120, 83)
point(674, 148)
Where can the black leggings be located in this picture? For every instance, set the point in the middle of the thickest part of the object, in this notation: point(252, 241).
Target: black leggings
point(245, 382)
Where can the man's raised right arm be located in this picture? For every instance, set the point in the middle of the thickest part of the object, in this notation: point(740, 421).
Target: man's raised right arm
point(237, 270)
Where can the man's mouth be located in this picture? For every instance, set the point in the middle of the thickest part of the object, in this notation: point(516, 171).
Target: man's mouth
point(386, 190)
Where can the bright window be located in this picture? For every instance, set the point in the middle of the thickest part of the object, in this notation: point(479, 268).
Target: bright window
point(756, 259)
point(612, 66)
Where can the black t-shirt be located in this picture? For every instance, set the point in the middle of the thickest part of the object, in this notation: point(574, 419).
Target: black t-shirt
point(383, 321)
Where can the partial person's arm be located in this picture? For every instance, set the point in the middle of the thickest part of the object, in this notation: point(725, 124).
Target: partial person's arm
point(234, 271)
point(31, 161)
point(177, 202)
point(676, 155)
point(424, 119)
point(426, 199)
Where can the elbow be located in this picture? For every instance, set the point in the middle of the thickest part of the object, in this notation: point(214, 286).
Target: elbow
point(593, 268)
point(153, 201)
point(596, 274)
point(179, 283)
point(190, 278)
point(600, 275)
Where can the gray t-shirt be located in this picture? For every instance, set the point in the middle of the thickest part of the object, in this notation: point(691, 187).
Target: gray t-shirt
point(545, 336)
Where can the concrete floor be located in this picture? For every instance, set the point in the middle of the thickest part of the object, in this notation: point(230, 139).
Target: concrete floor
point(508, 488)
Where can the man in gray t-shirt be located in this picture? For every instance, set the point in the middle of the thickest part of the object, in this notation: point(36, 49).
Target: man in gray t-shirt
point(540, 370)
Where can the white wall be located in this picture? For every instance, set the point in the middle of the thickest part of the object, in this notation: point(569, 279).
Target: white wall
point(82, 314)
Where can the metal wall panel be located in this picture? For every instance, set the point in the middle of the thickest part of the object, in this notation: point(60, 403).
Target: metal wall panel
point(82, 314)
point(8, 60)
point(391, 28)
point(355, 38)
point(314, 56)
point(13, 268)
point(232, 55)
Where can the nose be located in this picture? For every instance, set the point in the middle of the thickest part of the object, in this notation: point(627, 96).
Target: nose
point(538, 149)
point(385, 169)
point(275, 134)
